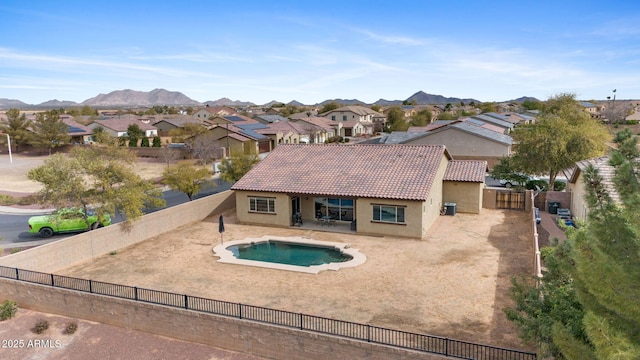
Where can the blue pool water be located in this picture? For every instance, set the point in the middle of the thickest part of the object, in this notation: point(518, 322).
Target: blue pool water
point(288, 253)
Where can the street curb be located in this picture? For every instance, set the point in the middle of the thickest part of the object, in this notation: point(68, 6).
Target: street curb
point(8, 210)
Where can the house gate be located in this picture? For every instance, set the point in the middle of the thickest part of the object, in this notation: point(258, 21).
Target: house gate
point(512, 200)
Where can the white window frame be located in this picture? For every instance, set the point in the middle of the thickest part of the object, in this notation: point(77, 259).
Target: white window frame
point(270, 204)
point(398, 219)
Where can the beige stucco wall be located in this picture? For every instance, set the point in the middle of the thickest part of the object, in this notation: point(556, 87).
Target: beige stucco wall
point(431, 208)
point(86, 246)
point(577, 191)
point(282, 216)
point(412, 213)
point(460, 143)
point(467, 196)
point(264, 340)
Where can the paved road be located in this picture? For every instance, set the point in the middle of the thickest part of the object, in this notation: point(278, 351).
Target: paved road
point(14, 229)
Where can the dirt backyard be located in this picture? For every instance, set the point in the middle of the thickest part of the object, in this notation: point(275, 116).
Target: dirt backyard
point(452, 284)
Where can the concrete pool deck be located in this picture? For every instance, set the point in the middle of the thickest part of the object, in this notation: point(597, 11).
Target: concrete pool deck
point(454, 283)
point(227, 257)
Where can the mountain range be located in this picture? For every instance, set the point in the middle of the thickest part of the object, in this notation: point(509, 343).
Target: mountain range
point(133, 98)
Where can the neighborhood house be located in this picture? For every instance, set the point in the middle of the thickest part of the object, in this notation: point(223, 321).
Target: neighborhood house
point(376, 189)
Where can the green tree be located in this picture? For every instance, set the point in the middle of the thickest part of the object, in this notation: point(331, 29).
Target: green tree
point(187, 131)
point(134, 133)
point(486, 107)
point(144, 142)
point(594, 313)
point(396, 120)
point(532, 105)
point(376, 108)
point(187, 178)
point(49, 131)
point(101, 177)
point(156, 142)
point(328, 107)
point(234, 167)
point(100, 135)
point(563, 134)
point(422, 118)
point(17, 126)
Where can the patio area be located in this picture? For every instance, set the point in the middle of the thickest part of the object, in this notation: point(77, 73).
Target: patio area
point(454, 283)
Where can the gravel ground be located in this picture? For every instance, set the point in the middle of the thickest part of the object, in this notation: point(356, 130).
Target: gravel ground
point(452, 284)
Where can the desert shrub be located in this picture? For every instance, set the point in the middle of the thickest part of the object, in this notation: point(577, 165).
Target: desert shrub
point(7, 200)
point(543, 185)
point(15, 250)
point(559, 185)
point(70, 328)
point(40, 326)
point(8, 309)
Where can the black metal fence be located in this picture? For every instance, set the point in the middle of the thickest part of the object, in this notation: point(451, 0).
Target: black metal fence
point(346, 329)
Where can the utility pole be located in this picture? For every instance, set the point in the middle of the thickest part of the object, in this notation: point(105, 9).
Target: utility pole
point(9, 146)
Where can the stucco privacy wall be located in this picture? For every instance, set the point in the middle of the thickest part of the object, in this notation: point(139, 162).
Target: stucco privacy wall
point(466, 195)
point(82, 247)
point(264, 340)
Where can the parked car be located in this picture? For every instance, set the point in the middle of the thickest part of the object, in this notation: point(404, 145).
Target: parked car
point(517, 179)
point(66, 220)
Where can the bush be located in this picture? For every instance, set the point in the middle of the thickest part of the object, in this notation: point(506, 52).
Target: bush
point(40, 327)
point(632, 122)
point(8, 309)
point(7, 200)
point(156, 142)
point(70, 328)
point(559, 185)
point(541, 185)
point(145, 142)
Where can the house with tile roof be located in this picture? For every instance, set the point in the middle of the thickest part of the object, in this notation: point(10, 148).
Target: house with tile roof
point(463, 140)
point(395, 190)
point(209, 111)
point(79, 133)
point(357, 120)
point(117, 126)
point(318, 129)
point(576, 186)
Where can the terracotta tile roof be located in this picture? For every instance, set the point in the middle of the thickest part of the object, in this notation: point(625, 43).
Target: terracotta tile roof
point(369, 171)
point(604, 169)
point(466, 170)
point(122, 124)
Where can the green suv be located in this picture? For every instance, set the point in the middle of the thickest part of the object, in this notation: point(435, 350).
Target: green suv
point(66, 221)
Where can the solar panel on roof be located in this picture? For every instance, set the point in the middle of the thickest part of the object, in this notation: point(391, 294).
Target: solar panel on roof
point(73, 129)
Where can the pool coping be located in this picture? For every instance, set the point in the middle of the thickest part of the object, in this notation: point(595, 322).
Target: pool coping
point(226, 256)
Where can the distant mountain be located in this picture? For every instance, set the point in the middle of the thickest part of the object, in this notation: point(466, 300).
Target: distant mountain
point(140, 98)
point(295, 103)
point(383, 102)
point(11, 103)
point(423, 98)
point(228, 102)
point(54, 104)
point(343, 102)
point(522, 99)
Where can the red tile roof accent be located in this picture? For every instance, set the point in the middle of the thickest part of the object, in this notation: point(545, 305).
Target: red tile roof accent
point(466, 170)
point(363, 170)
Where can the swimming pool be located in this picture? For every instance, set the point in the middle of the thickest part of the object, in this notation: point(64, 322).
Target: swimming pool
point(292, 253)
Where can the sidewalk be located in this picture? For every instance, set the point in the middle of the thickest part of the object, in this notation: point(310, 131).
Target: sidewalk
point(10, 210)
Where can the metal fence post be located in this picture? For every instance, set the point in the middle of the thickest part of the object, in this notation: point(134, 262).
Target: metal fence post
point(368, 333)
point(186, 301)
point(90, 287)
point(17, 277)
point(52, 284)
point(240, 310)
point(446, 346)
point(301, 327)
point(135, 292)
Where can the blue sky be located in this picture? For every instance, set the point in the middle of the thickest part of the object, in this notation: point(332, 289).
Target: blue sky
point(311, 51)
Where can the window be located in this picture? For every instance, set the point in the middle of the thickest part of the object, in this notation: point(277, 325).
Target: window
point(262, 204)
point(333, 117)
point(336, 208)
point(388, 213)
point(344, 117)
